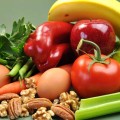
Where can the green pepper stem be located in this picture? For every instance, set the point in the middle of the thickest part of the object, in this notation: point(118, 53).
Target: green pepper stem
point(97, 49)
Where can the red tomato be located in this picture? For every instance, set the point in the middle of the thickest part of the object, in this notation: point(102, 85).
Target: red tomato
point(100, 79)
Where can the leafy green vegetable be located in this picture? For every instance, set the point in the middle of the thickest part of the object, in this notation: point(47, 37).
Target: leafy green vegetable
point(117, 43)
point(11, 45)
point(116, 56)
point(98, 106)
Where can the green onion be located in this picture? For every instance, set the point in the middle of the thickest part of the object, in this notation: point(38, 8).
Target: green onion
point(15, 69)
point(25, 68)
point(30, 72)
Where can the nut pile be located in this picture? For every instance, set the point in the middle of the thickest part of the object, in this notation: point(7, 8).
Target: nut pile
point(26, 104)
point(69, 100)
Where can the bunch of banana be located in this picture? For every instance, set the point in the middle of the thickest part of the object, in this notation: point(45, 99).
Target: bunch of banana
point(74, 10)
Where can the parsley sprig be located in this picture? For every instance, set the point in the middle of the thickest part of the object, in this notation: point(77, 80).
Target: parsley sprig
point(11, 47)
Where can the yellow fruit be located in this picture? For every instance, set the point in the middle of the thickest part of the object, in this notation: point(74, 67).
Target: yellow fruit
point(74, 10)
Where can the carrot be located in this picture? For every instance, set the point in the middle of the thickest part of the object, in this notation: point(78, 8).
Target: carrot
point(16, 87)
point(36, 77)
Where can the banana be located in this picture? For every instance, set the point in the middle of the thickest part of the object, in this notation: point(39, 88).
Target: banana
point(74, 10)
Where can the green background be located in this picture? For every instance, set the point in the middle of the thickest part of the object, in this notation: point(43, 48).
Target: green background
point(35, 11)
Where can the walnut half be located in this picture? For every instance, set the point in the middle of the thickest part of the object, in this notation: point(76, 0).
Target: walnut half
point(3, 108)
point(69, 100)
point(43, 114)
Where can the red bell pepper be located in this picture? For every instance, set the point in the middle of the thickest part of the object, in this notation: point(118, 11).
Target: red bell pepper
point(49, 45)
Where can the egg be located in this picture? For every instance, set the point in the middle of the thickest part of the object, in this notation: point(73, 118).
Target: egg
point(53, 82)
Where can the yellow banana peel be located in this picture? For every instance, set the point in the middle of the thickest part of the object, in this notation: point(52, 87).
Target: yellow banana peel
point(74, 10)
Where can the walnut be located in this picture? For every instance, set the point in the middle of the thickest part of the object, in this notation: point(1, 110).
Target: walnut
point(30, 83)
point(28, 94)
point(3, 109)
point(65, 104)
point(56, 101)
point(69, 100)
point(43, 114)
point(24, 112)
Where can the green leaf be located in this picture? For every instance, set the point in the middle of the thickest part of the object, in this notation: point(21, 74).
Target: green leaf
point(11, 45)
point(19, 35)
point(117, 43)
point(16, 26)
point(2, 29)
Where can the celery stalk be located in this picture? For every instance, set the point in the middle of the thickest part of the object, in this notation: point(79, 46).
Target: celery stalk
point(98, 106)
point(93, 101)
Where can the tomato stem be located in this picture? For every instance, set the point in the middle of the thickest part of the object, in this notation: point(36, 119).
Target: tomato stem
point(96, 58)
point(97, 51)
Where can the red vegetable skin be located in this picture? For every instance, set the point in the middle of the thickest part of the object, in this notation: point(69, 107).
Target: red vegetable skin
point(67, 67)
point(100, 79)
point(49, 45)
point(99, 31)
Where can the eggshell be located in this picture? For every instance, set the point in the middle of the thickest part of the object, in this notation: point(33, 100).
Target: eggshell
point(53, 82)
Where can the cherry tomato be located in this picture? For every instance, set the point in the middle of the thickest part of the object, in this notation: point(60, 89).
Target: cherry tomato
point(100, 79)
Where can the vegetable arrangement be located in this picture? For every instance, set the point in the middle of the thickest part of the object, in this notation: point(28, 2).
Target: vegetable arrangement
point(58, 56)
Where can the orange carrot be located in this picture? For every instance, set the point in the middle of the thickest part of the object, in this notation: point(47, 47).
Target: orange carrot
point(36, 77)
point(16, 87)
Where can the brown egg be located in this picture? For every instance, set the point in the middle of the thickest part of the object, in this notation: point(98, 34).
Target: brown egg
point(53, 82)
